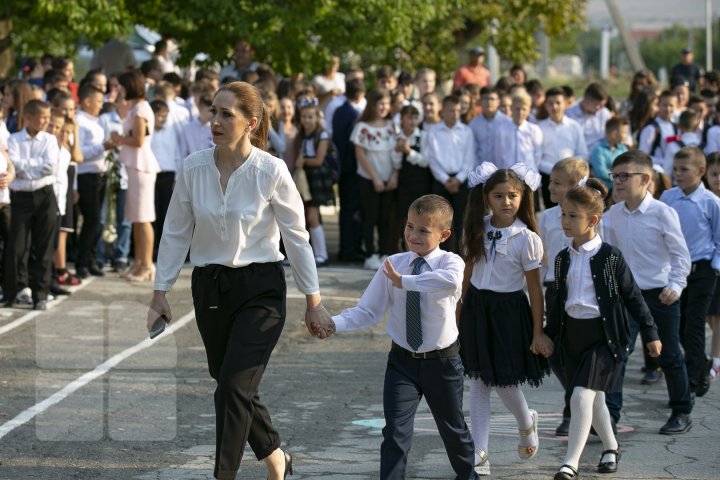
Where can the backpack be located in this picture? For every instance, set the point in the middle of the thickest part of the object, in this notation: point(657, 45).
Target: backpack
point(658, 135)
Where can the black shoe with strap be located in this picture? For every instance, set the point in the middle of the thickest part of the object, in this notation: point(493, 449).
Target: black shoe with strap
point(562, 475)
point(611, 466)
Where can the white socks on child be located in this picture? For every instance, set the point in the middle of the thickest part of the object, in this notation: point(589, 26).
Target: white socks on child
point(588, 408)
point(514, 401)
point(317, 239)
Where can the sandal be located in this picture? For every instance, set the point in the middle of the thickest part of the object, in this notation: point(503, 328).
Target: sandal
point(571, 475)
point(482, 468)
point(609, 467)
point(527, 452)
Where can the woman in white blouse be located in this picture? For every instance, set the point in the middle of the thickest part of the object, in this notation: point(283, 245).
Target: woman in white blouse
point(229, 206)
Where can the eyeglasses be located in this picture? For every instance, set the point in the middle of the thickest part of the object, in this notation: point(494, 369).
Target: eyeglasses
point(622, 177)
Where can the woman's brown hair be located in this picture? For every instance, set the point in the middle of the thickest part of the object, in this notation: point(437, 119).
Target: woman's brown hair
point(22, 93)
point(250, 104)
point(373, 96)
point(473, 240)
point(134, 84)
point(589, 197)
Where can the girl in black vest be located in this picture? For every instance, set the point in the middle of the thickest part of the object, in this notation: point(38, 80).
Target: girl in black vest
point(589, 324)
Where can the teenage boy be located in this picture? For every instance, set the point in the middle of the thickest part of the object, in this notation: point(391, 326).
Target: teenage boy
point(562, 138)
point(653, 136)
point(485, 126)
point(608, 149)
point(519, 140)
point(421, 288)
point(451, 151)
point(636, 221)
point(591, 114)
point(33, 217)
point(699, 211)
point(90, 178)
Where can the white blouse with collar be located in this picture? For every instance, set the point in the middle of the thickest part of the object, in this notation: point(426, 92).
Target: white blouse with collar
point(237, 228)
point(516, 250)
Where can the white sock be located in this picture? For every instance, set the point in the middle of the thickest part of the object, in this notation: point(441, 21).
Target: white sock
point(581, 409)
point(479, 414)
point(514, 401)
point(603, 425)
point(317, 238)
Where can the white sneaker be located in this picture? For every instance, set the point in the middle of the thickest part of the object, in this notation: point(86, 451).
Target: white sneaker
point(50, 297)
point(372, 262)
point(24, 296)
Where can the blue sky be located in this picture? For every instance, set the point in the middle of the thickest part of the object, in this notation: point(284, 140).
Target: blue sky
point(650, 14)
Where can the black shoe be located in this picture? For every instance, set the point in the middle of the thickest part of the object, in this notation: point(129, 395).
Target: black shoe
point(703, 385)
point(56, 289)
point(564, 428)
point(677, 423)
point(82, 272)
point(120, 266)
point(96, 272)
point(9, 303)
point(651, 377)
point(321, 263)
point(609, 467)
point(566, 476)
point(40, 305)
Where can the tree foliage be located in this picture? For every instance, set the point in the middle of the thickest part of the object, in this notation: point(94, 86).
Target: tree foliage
point(300, 35)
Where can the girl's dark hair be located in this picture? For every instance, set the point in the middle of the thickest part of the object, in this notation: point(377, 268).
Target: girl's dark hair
point(134, 84)
point(662, 182)
point(641, 112)
point(22, 93)
point(710, 160)
point(250, 104)
point(473, 240)
point(590, 197)
point(373, 96)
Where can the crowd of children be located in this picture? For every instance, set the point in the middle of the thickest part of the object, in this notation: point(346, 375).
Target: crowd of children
point(467, 172)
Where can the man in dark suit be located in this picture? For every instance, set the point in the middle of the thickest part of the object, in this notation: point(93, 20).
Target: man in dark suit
point(342, 125)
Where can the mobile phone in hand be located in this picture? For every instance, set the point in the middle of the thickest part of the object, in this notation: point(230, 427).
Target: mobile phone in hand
point(158, 327)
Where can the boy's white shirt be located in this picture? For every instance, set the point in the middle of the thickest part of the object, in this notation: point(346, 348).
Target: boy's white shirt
point(414, 157)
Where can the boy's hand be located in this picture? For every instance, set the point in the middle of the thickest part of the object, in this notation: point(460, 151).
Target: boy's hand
point(392, 274)
point(654, 348)
point(668, 296)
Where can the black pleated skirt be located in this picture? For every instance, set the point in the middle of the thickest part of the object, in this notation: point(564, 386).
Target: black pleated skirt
point(587, 358)
point(495, 336)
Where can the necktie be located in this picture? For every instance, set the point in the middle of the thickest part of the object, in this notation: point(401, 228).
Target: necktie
point(413, 325)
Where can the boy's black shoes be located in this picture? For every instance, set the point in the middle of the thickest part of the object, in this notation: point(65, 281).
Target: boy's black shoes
point(85, 272)
point(564, 428)
point(703, 384)
point(677, 423)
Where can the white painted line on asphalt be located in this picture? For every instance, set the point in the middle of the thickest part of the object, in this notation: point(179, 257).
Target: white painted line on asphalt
point(51, 305)
point(27, 415)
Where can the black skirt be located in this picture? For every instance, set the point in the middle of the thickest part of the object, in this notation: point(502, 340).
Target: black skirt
point(495, 336)
point(321, 186)
point(586, 358)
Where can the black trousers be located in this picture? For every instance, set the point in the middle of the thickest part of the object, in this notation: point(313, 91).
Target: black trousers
point(694, 303)
point(163, 192)
point(458, 201)
point(376, 208)
point(546, 192)
point(4, 234)
point(350, 221)
point(240, 313)
point(33, 221)
point(91, 190)
point(440, 380)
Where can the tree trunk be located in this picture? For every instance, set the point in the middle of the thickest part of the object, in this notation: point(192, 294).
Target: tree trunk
point(6, 46)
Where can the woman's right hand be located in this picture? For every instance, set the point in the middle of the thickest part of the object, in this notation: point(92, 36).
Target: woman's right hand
point(158, 306)
point(378, 185)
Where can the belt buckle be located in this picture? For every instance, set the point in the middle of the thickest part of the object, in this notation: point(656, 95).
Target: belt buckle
point(422, 355)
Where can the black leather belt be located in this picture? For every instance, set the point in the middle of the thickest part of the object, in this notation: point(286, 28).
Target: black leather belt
point(450, 351)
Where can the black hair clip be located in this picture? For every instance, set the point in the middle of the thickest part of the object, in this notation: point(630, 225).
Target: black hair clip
point(494, 235)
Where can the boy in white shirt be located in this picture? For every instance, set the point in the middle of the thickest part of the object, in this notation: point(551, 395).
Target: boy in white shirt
point(485, 126)
point(687, 137)
point(519, 141)
point(196, 134)
point(591, 114)
point(7, 174)
point(653, 136)
point(421, 288)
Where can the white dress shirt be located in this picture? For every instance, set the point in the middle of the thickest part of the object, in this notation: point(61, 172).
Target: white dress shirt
point(111, 122)
point(165, 144)
point(689, 139)
point(195, 137)
point(92, 137)
point(35, 160)
point(593, 125)
point(451, 151)
point(560, 140)
point(515, 144)
point(518, 250)
point(440, 287)
point(418, 139)
point(484, 133)
point(238, 227)
point(62, 182)
point(554, 240)
point(647, 137)
point(667, 263)
point(581, 298)
point(4, 192)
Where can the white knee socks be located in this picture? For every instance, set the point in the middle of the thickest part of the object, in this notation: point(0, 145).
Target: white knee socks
point(479, 414)
point(514, 401)
point(317, 239)
point(588, 407)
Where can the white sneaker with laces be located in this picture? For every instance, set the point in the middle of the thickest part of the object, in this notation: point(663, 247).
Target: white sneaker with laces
point(372, 262)
point(24, 296)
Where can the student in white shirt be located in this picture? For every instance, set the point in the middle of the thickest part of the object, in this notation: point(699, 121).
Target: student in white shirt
point(687, 137)
point(636, 221)
point(34, 153)
point(232, 226)
point(653, 136)
point(485, 126)
point(591, 114)
point(430, 105)
point(451, 151)
point(519, 141)
point(196, 134)
point(7, 174)
point(562, 138)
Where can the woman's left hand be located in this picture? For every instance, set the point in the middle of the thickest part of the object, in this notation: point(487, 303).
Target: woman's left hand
point(319, 322)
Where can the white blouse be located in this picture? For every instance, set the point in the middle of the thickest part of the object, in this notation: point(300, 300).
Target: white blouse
point(378, 144)
point(237, 228)
point(516, 250)
point(581, 298)
point(554, 240)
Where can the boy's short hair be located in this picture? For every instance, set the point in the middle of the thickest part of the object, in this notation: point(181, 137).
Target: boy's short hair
point(425, 71)
point(386, 71)
point(488, 91)
point(695, 99)
point(404, 78)
point(616, 123)
point(52, 77)
point(88, 90)
point(34, 107)
point(149, 65)
point(692, 154)
point(206, 74)
point(201, 87)
point(205, 101)
point(159, 106)
point(354, 87)
point(666, 94)
point(533, 86)
point(521, 98)
point(434, 206)
point(408, 110)
point(575, 168)
point(173, 78)
point(164, 89)
point(555, 91)
point(689, 121)
point(428, 95)
point(596, 91)
point(451, 100)
point(569, 91)
point(634, 157)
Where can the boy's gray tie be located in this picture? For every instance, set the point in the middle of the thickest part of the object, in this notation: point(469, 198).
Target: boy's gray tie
point(413, 324)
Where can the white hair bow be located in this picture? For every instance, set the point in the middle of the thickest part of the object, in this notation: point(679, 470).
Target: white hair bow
point(531, 178)
point(583, 181)
point(481, 174)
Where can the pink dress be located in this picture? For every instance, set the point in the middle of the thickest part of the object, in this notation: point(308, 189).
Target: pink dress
point(142, 168)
